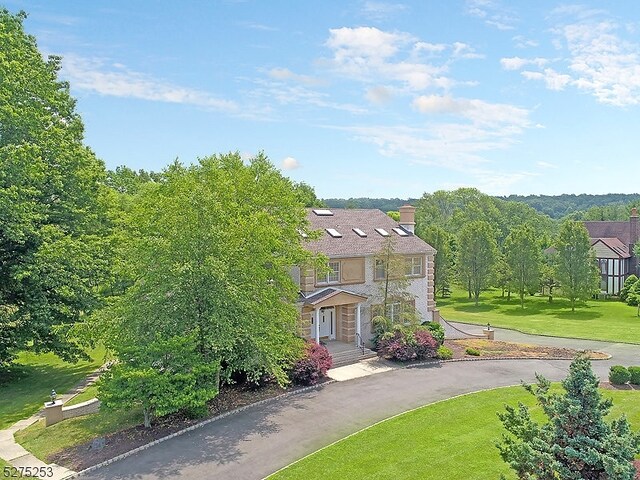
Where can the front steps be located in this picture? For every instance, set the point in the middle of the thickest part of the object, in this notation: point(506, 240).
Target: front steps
point(351, 356)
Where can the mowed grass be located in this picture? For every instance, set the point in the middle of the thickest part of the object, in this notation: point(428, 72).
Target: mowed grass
point(44, 441)
point(453, 439)
point(609, 320)
point(87, 394)
point(26, 391)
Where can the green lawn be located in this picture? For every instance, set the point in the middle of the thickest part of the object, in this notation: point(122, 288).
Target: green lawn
point(454, 439)
point(595, 319)
point(43, 441)
point(26, 393)
point(87, 394)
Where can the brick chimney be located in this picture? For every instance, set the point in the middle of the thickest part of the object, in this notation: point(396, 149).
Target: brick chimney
point(408, 218)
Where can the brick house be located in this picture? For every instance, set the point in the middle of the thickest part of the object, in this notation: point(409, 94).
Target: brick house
point(339, 304)
point(613, 244)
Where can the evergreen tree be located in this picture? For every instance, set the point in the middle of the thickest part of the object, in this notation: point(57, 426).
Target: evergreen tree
point(576, 443)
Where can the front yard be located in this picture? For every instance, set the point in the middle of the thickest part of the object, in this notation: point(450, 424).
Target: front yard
point(607, 320)
point(25, 392)
point(450, 439)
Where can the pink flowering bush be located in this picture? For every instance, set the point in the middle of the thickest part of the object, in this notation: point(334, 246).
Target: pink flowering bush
point(312, 366)
point(404, 344)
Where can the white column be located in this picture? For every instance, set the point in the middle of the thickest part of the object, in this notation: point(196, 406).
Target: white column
point(358, 327)
point(317, 324)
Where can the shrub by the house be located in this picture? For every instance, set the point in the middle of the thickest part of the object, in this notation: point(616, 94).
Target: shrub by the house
point(634, 375)
point(444, 353)
point(313, 365)
point(633, 297)
point(619, 375)
point(404, 344)
point(436, 331)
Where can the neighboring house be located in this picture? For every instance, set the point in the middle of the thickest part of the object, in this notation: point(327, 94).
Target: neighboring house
point(613, 243)
point(339, 304)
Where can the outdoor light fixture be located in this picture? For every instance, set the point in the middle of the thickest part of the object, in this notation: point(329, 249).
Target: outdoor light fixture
point(488, 326)
point(53, 396)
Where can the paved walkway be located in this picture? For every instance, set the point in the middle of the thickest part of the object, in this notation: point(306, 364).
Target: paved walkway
point(263, 439)
point(17, 456)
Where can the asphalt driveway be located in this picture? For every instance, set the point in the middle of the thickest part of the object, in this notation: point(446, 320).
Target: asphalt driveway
point(260, 440)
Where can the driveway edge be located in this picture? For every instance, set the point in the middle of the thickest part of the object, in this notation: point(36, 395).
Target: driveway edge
point(193, 427)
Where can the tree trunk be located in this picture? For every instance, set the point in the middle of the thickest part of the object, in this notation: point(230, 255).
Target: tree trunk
point(147, 418)
point(573, 304)
point(509, 294)
point(469, 288)
point(521, 299)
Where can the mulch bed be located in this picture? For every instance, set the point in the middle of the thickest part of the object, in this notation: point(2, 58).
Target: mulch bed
point(497, 349)
point(610, 386)
point(230, 397)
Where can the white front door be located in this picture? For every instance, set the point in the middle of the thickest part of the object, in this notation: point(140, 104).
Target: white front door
point(328, 322)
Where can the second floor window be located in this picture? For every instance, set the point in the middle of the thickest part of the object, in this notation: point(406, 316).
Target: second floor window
point(414, 266)
point(332, 276)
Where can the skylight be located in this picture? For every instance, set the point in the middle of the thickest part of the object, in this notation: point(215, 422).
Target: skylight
point(359, 232)
point(322, 212)
point(333, 232)
point(401, 232)
point(382, 232)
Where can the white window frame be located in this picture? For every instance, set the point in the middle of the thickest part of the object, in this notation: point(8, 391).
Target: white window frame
point(414, 267)
point(330, 277)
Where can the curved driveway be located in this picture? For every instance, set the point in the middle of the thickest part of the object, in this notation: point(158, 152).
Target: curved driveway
point(260, 440)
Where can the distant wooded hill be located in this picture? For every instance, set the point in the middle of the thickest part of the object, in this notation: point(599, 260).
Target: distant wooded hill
point(556, 206)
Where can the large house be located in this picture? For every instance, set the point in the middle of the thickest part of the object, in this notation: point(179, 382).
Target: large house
point(338, 303)
point(613, 243)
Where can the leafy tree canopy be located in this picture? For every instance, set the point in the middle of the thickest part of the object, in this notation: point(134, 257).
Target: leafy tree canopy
point(52, 251)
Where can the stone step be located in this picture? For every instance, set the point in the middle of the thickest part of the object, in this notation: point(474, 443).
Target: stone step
point(350, 357)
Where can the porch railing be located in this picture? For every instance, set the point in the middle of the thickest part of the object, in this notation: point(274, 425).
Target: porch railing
point(360, 343)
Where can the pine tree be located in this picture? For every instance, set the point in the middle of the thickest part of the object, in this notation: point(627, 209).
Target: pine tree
point(576, 442)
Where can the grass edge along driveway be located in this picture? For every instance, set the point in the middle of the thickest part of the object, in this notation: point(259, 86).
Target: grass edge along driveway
point(604, 320)
point(456, 436)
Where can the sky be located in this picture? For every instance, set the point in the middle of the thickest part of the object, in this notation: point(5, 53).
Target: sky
point(361, 97)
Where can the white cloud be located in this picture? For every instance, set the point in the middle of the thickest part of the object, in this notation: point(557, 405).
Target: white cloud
point(543, 164)
point(286, 74)
point(381, 10)
point(369, 55)
point(552, 79)
point(516, 63)
point(115, 80)
point(462, 50)
point(289, 163)
point(523, 42)
point(477, 111)
point(492, 13)
point(379, 95)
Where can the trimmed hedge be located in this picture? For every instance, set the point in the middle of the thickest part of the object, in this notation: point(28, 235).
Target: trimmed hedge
point(444, 353)
point(634, 373)
point(619, 375)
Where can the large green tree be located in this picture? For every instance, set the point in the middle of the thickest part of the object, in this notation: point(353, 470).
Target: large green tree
point(52, 253)
point(524, 258)
point(575, 262)
point(209, 250)
point(477, 254)
point(575, 443)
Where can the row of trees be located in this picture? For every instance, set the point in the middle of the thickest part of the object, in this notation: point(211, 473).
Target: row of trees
point(483, 242)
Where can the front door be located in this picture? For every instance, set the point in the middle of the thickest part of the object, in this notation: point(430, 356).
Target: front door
point(327, 322)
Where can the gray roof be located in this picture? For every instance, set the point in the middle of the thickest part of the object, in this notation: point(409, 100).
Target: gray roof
point(350, 244)
point(615, 245)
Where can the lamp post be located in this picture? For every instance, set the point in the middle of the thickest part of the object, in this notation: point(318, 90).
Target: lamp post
point(53, 396)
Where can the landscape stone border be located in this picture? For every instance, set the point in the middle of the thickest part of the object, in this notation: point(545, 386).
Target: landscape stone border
point(193, 427)
point(484, 359)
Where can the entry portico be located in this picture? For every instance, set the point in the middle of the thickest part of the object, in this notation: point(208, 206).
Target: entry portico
point(334, 314)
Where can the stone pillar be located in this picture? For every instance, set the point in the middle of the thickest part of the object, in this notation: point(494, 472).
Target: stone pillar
point(316, 312)
point(53, 413)
point(489, 333)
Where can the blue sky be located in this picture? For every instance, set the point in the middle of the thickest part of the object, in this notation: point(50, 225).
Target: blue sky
point(361, 98)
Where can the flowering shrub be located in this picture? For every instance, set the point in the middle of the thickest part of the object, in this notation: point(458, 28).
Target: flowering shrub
point(405, 344)
point(436, 330)
point(313, 365)
point(426, 344)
